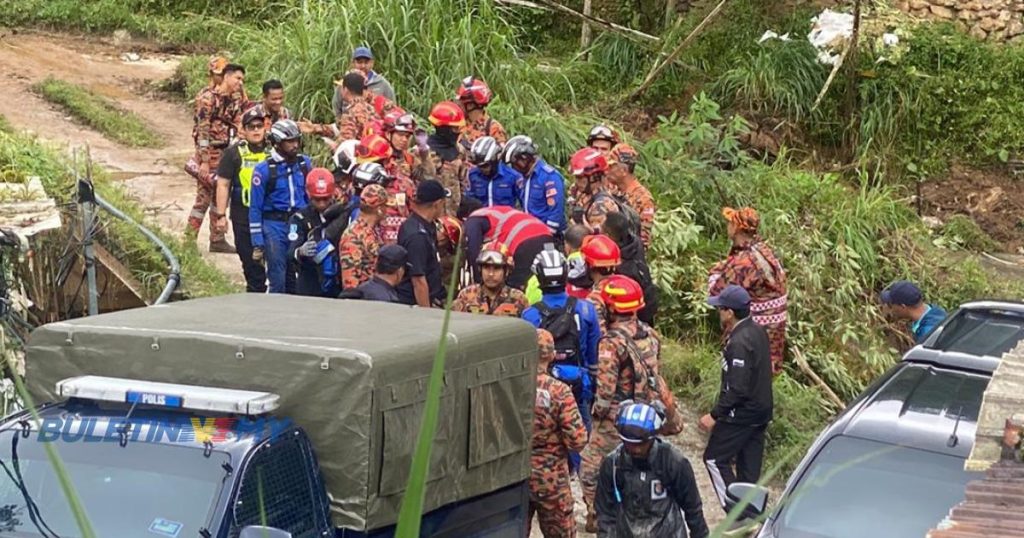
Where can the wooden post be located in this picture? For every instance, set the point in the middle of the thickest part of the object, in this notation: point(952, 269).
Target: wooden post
point(585, 34)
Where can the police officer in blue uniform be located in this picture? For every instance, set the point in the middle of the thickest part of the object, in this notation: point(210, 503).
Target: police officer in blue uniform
point(278, 192)
point(542, 191)
point(490, 180)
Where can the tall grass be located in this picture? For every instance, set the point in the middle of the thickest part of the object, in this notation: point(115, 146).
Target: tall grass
point(99, 113)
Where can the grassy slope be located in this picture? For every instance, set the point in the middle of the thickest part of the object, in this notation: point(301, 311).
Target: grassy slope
point(98, 112)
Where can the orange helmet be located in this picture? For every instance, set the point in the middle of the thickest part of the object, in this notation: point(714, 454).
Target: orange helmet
point(494, 253)
point(447, 114)
point(600, 251)
point(622, 294)
point(587, 162)
point(474, 90)
point(399, 121)
point(216, 65)
point(373, 148)
point(320, 183)
point(452, 229)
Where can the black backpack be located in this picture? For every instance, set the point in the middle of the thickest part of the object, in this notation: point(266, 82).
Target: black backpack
point(561, 323)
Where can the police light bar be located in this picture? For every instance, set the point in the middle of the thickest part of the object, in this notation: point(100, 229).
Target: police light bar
point(170, 395)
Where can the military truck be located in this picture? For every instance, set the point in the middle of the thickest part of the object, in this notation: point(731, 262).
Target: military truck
point(274, 415)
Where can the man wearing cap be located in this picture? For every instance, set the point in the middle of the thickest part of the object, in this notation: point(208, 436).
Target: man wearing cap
point(646, 487)
point(745, 403)
point(218, 118)
point(362, 61)
point(361, 242)
point(392, 263)
point(753, 265)
point(621, 166)
point(310, 247)
point(422, 284)
point(234, 183)
point(906, 302)
point(557, 430)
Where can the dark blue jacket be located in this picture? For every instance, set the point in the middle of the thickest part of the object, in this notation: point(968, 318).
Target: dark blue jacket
point(590, 328)
point(928, 322)
point(502, 189)
point(289, 193)
point(542, 195)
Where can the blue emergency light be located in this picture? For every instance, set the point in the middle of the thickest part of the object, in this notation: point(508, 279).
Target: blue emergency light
point(170, 395)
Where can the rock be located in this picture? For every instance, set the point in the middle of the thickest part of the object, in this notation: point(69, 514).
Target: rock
point(919, 4)
point(967, 15)
point(971, 6)
point(978, 33)
point(993, 4)
point(1014, 28)
point(946, 3)
point(903, 6)
point(131, 57)
point(120, 37)
point(941, 12)
point(991, 25)
point(932, 223)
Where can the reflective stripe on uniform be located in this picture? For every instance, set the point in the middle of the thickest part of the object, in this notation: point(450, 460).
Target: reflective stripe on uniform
point(250, 159)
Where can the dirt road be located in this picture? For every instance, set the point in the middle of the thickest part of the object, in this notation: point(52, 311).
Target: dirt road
point(153, 176)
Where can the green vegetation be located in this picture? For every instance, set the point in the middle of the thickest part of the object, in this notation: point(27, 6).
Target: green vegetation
point(99, 113)
point(962, 231)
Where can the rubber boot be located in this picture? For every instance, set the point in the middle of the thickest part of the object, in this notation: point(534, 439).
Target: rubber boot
point(222, 247)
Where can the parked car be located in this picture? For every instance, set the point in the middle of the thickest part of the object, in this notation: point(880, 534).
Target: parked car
point(892, 464)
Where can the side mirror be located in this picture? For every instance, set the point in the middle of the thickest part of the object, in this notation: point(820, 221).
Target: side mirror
point(257, 531)
point(753, 498)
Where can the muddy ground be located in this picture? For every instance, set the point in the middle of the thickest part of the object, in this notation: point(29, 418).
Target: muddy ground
point(993, 198)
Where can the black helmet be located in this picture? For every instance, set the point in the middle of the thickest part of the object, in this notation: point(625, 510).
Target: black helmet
point(517, 146)
point(284, 130)
point(550, 268)
point(485, 150)
point(370, 174)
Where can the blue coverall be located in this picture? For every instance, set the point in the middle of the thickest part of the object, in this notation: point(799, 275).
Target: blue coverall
point(542, 195)
point(269, 213)
point(501, 189)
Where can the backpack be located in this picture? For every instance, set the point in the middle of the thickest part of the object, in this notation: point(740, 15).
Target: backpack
point(272, 172)
point(649, 387)
point(561, 323)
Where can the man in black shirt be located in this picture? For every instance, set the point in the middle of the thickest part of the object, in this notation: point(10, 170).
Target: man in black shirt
point(634, 261)
point(234, 181)
point(745, 404)
point(392, 263)
point(422, 284)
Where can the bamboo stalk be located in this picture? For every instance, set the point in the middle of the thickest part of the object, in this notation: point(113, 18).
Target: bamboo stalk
point(595, 21)
point(585, 33)
point(830, 394)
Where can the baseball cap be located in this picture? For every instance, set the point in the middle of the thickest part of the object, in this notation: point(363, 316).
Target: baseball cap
point(431, 191)
point(732, 297)
point(391, 258)
point(362, 52)
point(253, 113)
point(902, 292)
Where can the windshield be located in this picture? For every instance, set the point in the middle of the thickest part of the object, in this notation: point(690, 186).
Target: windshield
point(857, 488)
point(143, 490)
point(987, 333)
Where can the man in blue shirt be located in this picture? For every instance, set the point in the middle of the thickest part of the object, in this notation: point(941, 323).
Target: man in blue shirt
point(278, 192)
point(905, 300)
point(542, 192)
point(490, 180)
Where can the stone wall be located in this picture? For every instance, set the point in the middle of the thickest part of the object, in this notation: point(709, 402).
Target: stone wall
point(997, 20)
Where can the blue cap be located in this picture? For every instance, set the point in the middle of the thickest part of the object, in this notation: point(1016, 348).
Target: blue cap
point(362, 52)
point(732, 297)
point(902, 292)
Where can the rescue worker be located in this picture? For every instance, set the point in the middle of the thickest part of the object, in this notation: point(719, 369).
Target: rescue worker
point(622, 161)
point(646, 487)
point(446, 155)
point(392, 262)
point(745, 403)
point(490, 180)
point(362, 61)
point(588, 166)
point(601, 255)
point(602, 138)
point(557, 430)
point(345, 165)
point(542, 193)
point(375, 148)
point(523, 234)
point(215, 71)
point(272, 104)
point(278, 191)
point(574, 325)
point(492, 296)
point(449, 239)
point(752, 264)
point(906, 302)
point(218, 118)
point(361, 242)
point(234, 183)
point(578, 284)
point(408, 159)
point(314, 253)
point(634, 262)
point(474, 95)
point(628, 346)
point(422, 284)
point(352, 123)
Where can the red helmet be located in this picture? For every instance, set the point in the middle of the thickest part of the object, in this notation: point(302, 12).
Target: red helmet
point(587, 162)
point(447, 114)
point(381, 105)
point(600, 251)
point(622, 294)
point(399, 121)
point(452, 229)
point(320, 183)
point(494, 253)
point(474, 90)
point(373, 148)
point(375, 126)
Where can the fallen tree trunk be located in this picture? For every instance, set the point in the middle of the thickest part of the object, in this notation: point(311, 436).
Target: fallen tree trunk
point(830, 394)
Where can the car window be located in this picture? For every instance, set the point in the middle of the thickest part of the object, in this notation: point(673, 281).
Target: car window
point(856, 488)
point(985, 333)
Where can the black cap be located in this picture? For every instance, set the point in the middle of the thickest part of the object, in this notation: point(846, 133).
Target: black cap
point(902, 292)
point(253, 113)
point(732, 297)
point(431, 191)
point(391, 258)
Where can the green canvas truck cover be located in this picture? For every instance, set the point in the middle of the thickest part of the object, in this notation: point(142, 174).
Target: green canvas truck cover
point(353, 374)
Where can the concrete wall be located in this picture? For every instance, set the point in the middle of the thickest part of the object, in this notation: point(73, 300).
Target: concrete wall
point(996, 20)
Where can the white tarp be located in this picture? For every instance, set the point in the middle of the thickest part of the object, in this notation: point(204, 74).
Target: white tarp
point(830, 32)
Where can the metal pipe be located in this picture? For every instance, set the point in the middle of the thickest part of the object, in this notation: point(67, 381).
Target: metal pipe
point(86, 200)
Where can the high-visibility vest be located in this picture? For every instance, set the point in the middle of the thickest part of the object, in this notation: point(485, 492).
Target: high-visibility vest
point(249, 161)
point(510, 226)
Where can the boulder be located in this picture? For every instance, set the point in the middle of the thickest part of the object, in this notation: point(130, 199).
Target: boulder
point(978, 33)
point(941, 12)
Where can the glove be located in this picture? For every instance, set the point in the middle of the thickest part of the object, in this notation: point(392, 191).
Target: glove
point(307, 250)
point(257, 255)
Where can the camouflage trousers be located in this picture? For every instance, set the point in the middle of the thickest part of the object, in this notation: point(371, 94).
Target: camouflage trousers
point(603, 439)
point(206, 198)
point(554, 514)
point(777, 344)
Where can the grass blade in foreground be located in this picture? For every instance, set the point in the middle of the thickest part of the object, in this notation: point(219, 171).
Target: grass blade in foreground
point(74, 503)
point(99, 113)
point(411, 514)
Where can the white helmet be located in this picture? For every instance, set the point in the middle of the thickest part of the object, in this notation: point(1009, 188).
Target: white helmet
point(345, 157)
point(485, 150)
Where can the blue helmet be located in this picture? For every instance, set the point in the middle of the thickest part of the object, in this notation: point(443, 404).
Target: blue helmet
point(637, 422)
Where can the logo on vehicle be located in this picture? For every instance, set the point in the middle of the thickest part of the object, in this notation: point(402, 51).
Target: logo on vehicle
point(202, 430)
